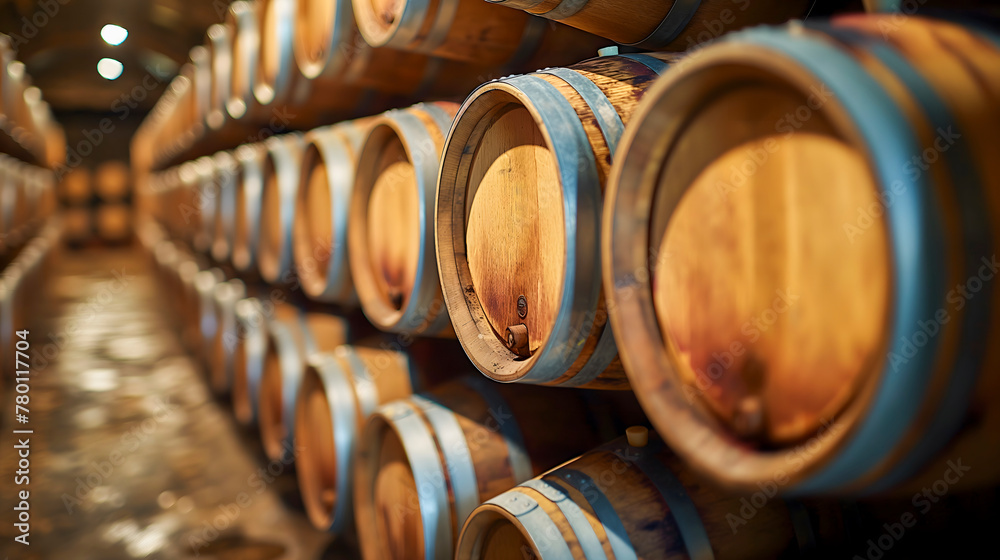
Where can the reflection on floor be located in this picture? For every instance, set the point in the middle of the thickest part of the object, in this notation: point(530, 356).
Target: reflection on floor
point(131, 457)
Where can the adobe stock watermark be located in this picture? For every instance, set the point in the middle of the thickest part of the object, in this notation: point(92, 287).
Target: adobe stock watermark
point(923, 501)
point(795, 460)
point(915, 168)
point(122, 107)
point(229, 513)
point(958, 297)
point(31, 25)
point(757, 157)
point(896, 19)
point(130, 442)
point(751, 330)
point(459, 450)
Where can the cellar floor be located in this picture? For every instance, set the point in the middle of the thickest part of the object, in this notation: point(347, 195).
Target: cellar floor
point(131, 457)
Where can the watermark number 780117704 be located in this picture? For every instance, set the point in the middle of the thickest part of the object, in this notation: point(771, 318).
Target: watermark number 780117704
point(22, 437)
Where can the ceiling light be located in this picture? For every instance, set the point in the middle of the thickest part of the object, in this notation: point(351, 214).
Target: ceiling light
point(109, 68)
point(113, 34)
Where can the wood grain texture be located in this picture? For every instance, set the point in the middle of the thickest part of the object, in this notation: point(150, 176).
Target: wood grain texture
point(799, 316)
point(515, 237)
point(472, 31)
point(651, 525)
point(631, 21)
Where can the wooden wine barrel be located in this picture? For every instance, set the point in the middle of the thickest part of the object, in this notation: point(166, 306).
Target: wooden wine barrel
point(242, 22)
point(424, 463)
point(322, 204)
point(187, 272)
point(225, 297)
point(330, 51)
point(658, 25)
point(340, 390)
point(166, 186)
point(813, 277)
point(248, 189)
point(15, 81)
point(633, 498)
point(55, 144)
point(203, 311)
point(7, 54)
point(227, 172)
point(390, 235)
point(48, 201)
point(24, 201)
point(166, 258)
point(39, 196)
point(282, 166)
point(518, 215)
point(113, 222)
point(111, 180)
point(472, 31)
point(75, 187)
point(193, 210)
point(10, 185)
point(78, 225)
point(204, 199)
point(19, 284)
point(36, 117)
point(220, 47)
point(201, 88)
point(248, 358)
point(279, 80)
point(290, 343)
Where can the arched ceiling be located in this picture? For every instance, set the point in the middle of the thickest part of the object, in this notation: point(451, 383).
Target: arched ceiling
point(60, 43)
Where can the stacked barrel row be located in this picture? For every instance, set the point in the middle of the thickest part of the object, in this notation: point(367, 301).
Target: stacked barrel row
point(763, 327)
point(27, 199)
point(274, 65)
point(26, 122)
point(19, 281)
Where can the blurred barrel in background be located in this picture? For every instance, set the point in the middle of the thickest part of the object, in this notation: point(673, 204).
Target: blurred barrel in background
point(323, 210)
point(249, 188)
point(112, 181)
point(292, 340)
point(340, 390)
point(282, 166)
